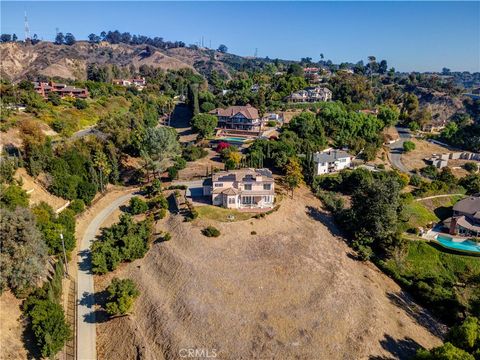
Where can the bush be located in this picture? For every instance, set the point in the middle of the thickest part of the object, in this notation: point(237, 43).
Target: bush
point(180, 163)
point(160, 214)
point(167, 236)
point(415, 180)
point(121, 296)
point(192, 153)
point(471, 167)
point(211, 231)
point(49, 326)
point(253, 233)
point(80, 104)
point(77, 206)
point(137, 206)
point(13, 196)
point(408, 146)
point(172, 172)
point(271, 123)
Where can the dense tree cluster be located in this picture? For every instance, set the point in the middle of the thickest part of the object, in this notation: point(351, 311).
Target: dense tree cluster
point(125, 241)
point(121, 296)
point(117, 37)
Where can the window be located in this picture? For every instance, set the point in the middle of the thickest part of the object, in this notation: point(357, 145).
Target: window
point(231, 200)
point(218, 185)
point(248, 186)
point(267, 186)
point(247, 200)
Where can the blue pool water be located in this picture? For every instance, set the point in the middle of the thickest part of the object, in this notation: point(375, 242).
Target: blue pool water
point(237, 140)
point(466, 245)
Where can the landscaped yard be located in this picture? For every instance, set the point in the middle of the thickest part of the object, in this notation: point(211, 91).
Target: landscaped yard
point(222, 214)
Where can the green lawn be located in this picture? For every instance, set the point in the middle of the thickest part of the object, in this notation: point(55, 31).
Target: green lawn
point(417, 215)
point(444, 282)
point(221, 214)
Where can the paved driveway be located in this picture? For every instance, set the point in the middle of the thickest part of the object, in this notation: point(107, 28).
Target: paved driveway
point(86, 332)
point(396, 149)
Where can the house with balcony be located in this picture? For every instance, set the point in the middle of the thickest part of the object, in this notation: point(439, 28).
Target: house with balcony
point(242, 189)
point(138, 83)
point(331, 161)
point(238, 120)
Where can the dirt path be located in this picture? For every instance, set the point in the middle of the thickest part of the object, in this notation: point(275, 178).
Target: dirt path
point(438, 196)
point(281, 287)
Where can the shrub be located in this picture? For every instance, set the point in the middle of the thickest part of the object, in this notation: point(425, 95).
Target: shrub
point(13, 196)
point(415, 180)
point(211, 231)
point(121, 296)
point(167, 236)
point(172, 172)
point(137, 206)
point(408, 146)
point(77, 206)
point(160, 214)
point(158, 202)
point(253, 233)
point(222, 146)
point(180, 163)
point(80, 104)
point(271, 123)
point(471, 167)
point(49, 326)
point(192, 153)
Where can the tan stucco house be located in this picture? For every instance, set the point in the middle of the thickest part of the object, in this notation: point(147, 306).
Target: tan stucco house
point(242, 189)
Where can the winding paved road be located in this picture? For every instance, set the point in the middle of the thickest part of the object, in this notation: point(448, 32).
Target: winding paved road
point(396, 149)
point(86, 332)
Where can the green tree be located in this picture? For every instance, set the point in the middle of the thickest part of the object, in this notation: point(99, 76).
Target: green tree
point(204, 124)
point(24, 256)
point(121, 296)
point(388, 115)
point(293, 174)
point(49, 326)
point(137, 206)
point(159, 146)
point(445, 352)
point(408, 146)
point(13, 196)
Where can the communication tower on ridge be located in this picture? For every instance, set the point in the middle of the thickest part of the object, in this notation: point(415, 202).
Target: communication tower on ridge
point(27, 29)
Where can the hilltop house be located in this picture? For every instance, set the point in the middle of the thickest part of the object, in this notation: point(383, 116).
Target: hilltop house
point(330, 161)
point(466, 217)
point(238, 119)
point(63, 90)
point(139, 83)
point(242, 189)
point(311, 94)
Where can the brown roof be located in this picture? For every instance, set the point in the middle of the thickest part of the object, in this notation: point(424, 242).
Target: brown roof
point(469, 205)
point(242, 175)
point(248, 111)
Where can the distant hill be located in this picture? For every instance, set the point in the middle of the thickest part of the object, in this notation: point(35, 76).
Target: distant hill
point(70, 62)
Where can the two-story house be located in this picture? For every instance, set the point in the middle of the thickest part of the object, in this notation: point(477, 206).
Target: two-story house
point(466, 217)
point(311, 94)
point(242, 189)
point(331, 161)
point(242, 118)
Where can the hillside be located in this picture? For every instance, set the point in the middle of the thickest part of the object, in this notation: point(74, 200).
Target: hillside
point(277, 293)
point(70, 62)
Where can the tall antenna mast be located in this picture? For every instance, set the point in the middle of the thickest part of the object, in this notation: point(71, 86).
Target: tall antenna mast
point(27, 29)
point(256, 52)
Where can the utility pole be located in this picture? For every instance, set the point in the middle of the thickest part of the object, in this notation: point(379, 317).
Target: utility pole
point(64, 255)
point(256, 52)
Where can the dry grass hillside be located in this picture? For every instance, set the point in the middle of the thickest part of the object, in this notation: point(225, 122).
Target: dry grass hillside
point(70, 62)
point(289, 291)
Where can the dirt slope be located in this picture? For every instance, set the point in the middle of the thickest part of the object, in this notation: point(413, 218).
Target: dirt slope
point(290, 291)
point(70, 62)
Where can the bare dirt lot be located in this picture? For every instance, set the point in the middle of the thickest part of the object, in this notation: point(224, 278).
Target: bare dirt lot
point(289, 291)
point(11, 328)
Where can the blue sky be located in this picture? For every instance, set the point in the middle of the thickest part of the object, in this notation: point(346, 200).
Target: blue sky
point(420, 36)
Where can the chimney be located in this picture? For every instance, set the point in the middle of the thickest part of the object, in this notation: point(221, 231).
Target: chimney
point(453, 226)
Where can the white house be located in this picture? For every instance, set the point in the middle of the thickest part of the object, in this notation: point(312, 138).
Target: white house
point(331, 161)
point(241, 189)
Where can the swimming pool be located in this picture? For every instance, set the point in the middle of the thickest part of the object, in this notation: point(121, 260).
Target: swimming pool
point(233, 140)
point(465, 245)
